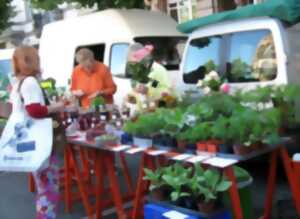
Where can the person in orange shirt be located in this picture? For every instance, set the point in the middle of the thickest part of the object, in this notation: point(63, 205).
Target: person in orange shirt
point(91, 78)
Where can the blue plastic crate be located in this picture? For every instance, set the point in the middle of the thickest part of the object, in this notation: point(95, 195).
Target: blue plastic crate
point(156, 211)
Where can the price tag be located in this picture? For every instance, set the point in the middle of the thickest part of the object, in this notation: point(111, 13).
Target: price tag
point(114, 117)
point(120, 148)
point(175, 215)
point(103, 118)
point(119, 124)
point(220, 162)
point(182, 157)
point(144, 106)
point(135, 150)
point(197, 159)
point(156, 152)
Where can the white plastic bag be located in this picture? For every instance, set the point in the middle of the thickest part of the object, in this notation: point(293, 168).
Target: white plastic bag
point(25, 144)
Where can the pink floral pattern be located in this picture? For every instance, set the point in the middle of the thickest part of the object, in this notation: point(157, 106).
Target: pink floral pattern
point(47, 183)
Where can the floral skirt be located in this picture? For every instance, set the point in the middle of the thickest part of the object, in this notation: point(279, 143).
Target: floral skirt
point(47, 184)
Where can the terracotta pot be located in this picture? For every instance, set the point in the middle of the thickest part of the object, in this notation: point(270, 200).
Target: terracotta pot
point(201, 146)
point(241, 149)
point(257, 146)
point(206, 207)
point(211, 146)
point(158, 194)
point(181, 146)
point(161, 193)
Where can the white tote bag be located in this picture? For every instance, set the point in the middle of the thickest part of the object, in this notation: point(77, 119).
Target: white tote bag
point(25, 144)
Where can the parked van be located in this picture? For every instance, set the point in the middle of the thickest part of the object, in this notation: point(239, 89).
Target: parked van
point(248, 52)
point(5, 63)
point(108, 34)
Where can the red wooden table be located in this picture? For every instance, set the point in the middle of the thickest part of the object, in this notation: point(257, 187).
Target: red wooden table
point(102, 163)
point(278, 151)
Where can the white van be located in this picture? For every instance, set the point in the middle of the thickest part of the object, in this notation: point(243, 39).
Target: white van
point(5, 61)
point(108, 34)
point(248, 52)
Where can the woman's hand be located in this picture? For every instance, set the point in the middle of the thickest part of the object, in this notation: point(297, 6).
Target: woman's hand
point(78, 93)
point(55, 107)
point(95, 94)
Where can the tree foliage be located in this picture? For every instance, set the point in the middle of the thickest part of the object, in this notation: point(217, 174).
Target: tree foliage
point(101, 4)
point(6, 11)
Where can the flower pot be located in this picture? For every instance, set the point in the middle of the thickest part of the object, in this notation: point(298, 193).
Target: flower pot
point(211, 146)
point(142, 142)
point(241, 149)
point(158, 194)
point(162, 193)
point(257, 146)
point(206, 207)
point(201, 146)
point(181, 146)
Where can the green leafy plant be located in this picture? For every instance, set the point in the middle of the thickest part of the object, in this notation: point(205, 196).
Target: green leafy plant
point(198, 132)
point(97, 102)
point(177, 178)
point(139, 72)
point(146, 126)
point(173, 121)
point(208, 183)
point(155, 177)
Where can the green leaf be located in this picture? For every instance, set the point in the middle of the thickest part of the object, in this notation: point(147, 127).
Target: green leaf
point(223, 186)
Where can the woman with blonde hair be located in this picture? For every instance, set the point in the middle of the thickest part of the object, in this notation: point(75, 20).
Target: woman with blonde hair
point(27, 97)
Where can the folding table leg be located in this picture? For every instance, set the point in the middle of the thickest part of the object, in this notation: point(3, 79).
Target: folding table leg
point(139, 189)
point(291, 177)
point(98, 162)
point(81, 185)
point(270, 186)
point(126, 173)
point(115, 190)
point(234, 195)
point(31, 183)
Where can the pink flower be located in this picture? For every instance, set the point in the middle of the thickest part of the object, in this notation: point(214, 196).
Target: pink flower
point(225, 88)
point(142, 53)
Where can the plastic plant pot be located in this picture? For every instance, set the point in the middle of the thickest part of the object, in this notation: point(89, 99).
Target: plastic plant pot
point(142, 142)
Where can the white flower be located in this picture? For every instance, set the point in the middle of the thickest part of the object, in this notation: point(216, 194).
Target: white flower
point(199, 83)
point(207, 78)
point(206, 90)
point(214, 75)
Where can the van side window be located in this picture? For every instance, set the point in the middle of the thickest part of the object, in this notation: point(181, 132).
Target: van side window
point(247, 56)
point(202, 57)
point(118, 59)
point(98, 50)
point(252, 57)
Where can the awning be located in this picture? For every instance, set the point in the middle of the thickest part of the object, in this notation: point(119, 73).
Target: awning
point(285, 10)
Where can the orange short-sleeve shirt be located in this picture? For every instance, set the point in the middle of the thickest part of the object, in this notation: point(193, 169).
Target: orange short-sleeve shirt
point(99, 80)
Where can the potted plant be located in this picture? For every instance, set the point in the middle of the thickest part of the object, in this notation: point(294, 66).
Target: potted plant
point(143, 129)
point(206, 187)
point(284, 98)
point(177, 177)
point(173, 122)
point(97, 103)
point(159, 189)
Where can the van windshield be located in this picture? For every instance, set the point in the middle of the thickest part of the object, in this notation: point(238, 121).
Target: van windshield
point(168, 50)
point(247, 56)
